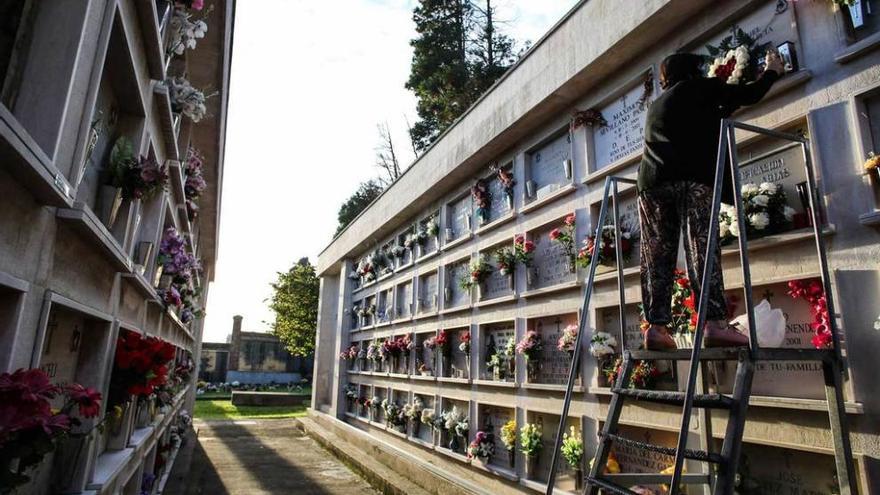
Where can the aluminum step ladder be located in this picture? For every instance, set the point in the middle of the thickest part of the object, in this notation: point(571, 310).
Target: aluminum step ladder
point(722, 478)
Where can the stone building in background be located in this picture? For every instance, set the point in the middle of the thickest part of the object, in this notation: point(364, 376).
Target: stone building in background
point(397, 270)
point(252, 358)
point(78, 261)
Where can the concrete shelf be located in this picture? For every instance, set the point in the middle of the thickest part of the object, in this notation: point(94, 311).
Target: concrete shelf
point(149, 22)
point(84, 221)
point(166, 117)
point(550, 198)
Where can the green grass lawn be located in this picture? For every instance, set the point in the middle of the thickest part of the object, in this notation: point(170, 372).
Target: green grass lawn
point(223, 409)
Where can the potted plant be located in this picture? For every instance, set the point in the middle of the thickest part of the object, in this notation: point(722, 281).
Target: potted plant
point(443, 343)
point(482, 447)
point(482, 199)
point(477, 275)
point(31, 428)
point(573, 451)
point(413, 412)
point(428, 418)
point(506, 264)
point(564, 236)
point(456, 424)
point(524, 252)
point(531, 445)
point(508, 438)
point(530, 347)
point(186, 99)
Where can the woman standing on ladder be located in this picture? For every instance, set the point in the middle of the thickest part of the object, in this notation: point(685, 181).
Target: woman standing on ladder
point(675, 184)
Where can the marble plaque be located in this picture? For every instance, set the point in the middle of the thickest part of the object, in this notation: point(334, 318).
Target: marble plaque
point(546, 165)
point(492, 418)
point(551, 262)
point(460, 361)
point(404, 301)
point(610, 323)
point(555, 364)
point(429, 292)
point(454, 274)
point(424, 355)
point(497, 334)
point(625, 133)
point(498, 206)
point(802, 379)
point(369, 319)
point(426, 432)
point(496, 284)
point(774, 470)
point(636, 460)
point(783, 166)
point(763, 24)
point(383, 308)
point(459, 214)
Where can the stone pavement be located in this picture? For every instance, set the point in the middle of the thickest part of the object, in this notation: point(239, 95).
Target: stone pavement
point(258, 457)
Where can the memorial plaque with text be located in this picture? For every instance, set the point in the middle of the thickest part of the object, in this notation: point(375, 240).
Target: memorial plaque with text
point(551, 263)
point(625, 133)
point(496, 284)
point(546, 165)
point(783, 167)
point(763, 24)
point(498, 206)
point(426, 356)
point(802, 379)
point(549, 424)
point(555, 364)
point(429, 292)
point(383, 308)
point(459, 214)
point(773, 470)
point(492, 418)
point(498, 335)
point(636, 460)
point(404, 300)
point(455, 273)
point(460, 361)
point(610, 319)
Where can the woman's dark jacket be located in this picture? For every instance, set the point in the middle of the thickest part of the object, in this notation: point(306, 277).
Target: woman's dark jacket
point(682, 129)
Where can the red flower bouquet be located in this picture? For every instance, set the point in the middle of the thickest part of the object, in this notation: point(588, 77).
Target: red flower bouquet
point(141, 365)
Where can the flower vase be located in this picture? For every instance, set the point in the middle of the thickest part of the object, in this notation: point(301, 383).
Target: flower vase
point(469, 222)
point(71, 458)
point(416, 426)
point(684, 340)
point(509, 198)
point(142, 419)
point(511, 458)
point(530, 188)
point(876, 172)
point(531, 276)
point(572, 267)
point(533, 367)
point(496, 374)
point(447, 295)
point(405, 361)
point(481, 289)
point(531, 467)
point(165, 281)
point(449, 234)
point(453, 443)
point(142, 255)
point(110, 201)
point(394, 360)
point(578, 480)
point(566, 168)
point(510, 281)
point(483, 460)
point(484, 217)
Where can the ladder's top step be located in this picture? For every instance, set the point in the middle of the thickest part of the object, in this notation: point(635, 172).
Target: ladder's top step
point(711, 354)
point(709, 401)
point(616, 483)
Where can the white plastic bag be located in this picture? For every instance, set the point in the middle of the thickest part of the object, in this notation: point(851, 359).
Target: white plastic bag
point(770, 324)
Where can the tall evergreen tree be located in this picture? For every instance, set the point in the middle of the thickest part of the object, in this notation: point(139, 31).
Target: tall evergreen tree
point(365, 194)
point(458, 54)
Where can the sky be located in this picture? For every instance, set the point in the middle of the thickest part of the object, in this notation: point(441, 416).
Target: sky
point(310, 82)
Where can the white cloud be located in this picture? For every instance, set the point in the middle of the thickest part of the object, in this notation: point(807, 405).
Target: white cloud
point(310, 81)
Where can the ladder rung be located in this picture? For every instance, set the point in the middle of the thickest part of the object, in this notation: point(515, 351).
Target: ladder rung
point(710, 354)
point(708, 401)
point(629, 479)
point(697, 455)
point(609, 486)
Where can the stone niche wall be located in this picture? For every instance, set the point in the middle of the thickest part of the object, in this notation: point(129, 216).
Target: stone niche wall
point(551, 265)
point(549, 424)
point(545, 167)
point(454, 294)
point(425, 433)
point(494, 338)
point(458, 365)
point(490, 418)
point(429, 297)
point(425, 356)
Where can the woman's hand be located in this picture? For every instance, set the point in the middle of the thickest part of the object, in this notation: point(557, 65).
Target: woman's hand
point(774, 62)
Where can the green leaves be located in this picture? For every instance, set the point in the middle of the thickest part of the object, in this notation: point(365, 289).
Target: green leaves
point(354, 205)
point(295, 304)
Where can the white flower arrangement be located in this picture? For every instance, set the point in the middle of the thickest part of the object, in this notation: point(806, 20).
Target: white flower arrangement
point(456, 421)
point(187, 99)
point(739, 58)
point(428, 417)
point(765, 211)
point(184, 31)
point(602, 344)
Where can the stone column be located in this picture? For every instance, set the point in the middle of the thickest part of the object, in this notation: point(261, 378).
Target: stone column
point(235, 345)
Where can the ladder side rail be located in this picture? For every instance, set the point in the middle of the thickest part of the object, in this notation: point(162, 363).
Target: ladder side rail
point(618, 253)
point(575, 360)
point(787, 136)
point(610, 427)
point(833, 372)
point(701, 314)
point(741, 219)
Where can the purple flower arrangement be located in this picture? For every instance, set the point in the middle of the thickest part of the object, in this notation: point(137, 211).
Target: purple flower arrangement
point(138, 178)
point(182, 266)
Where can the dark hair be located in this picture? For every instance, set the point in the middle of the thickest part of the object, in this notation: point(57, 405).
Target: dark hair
point(680, 67)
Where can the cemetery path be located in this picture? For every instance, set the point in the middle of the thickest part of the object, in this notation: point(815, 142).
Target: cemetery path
point(257, 457)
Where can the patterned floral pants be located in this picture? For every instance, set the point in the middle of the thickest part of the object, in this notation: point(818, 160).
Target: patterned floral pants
point(664, 211)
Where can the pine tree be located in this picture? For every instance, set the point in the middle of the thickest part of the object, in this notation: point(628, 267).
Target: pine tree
point(458, 54)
